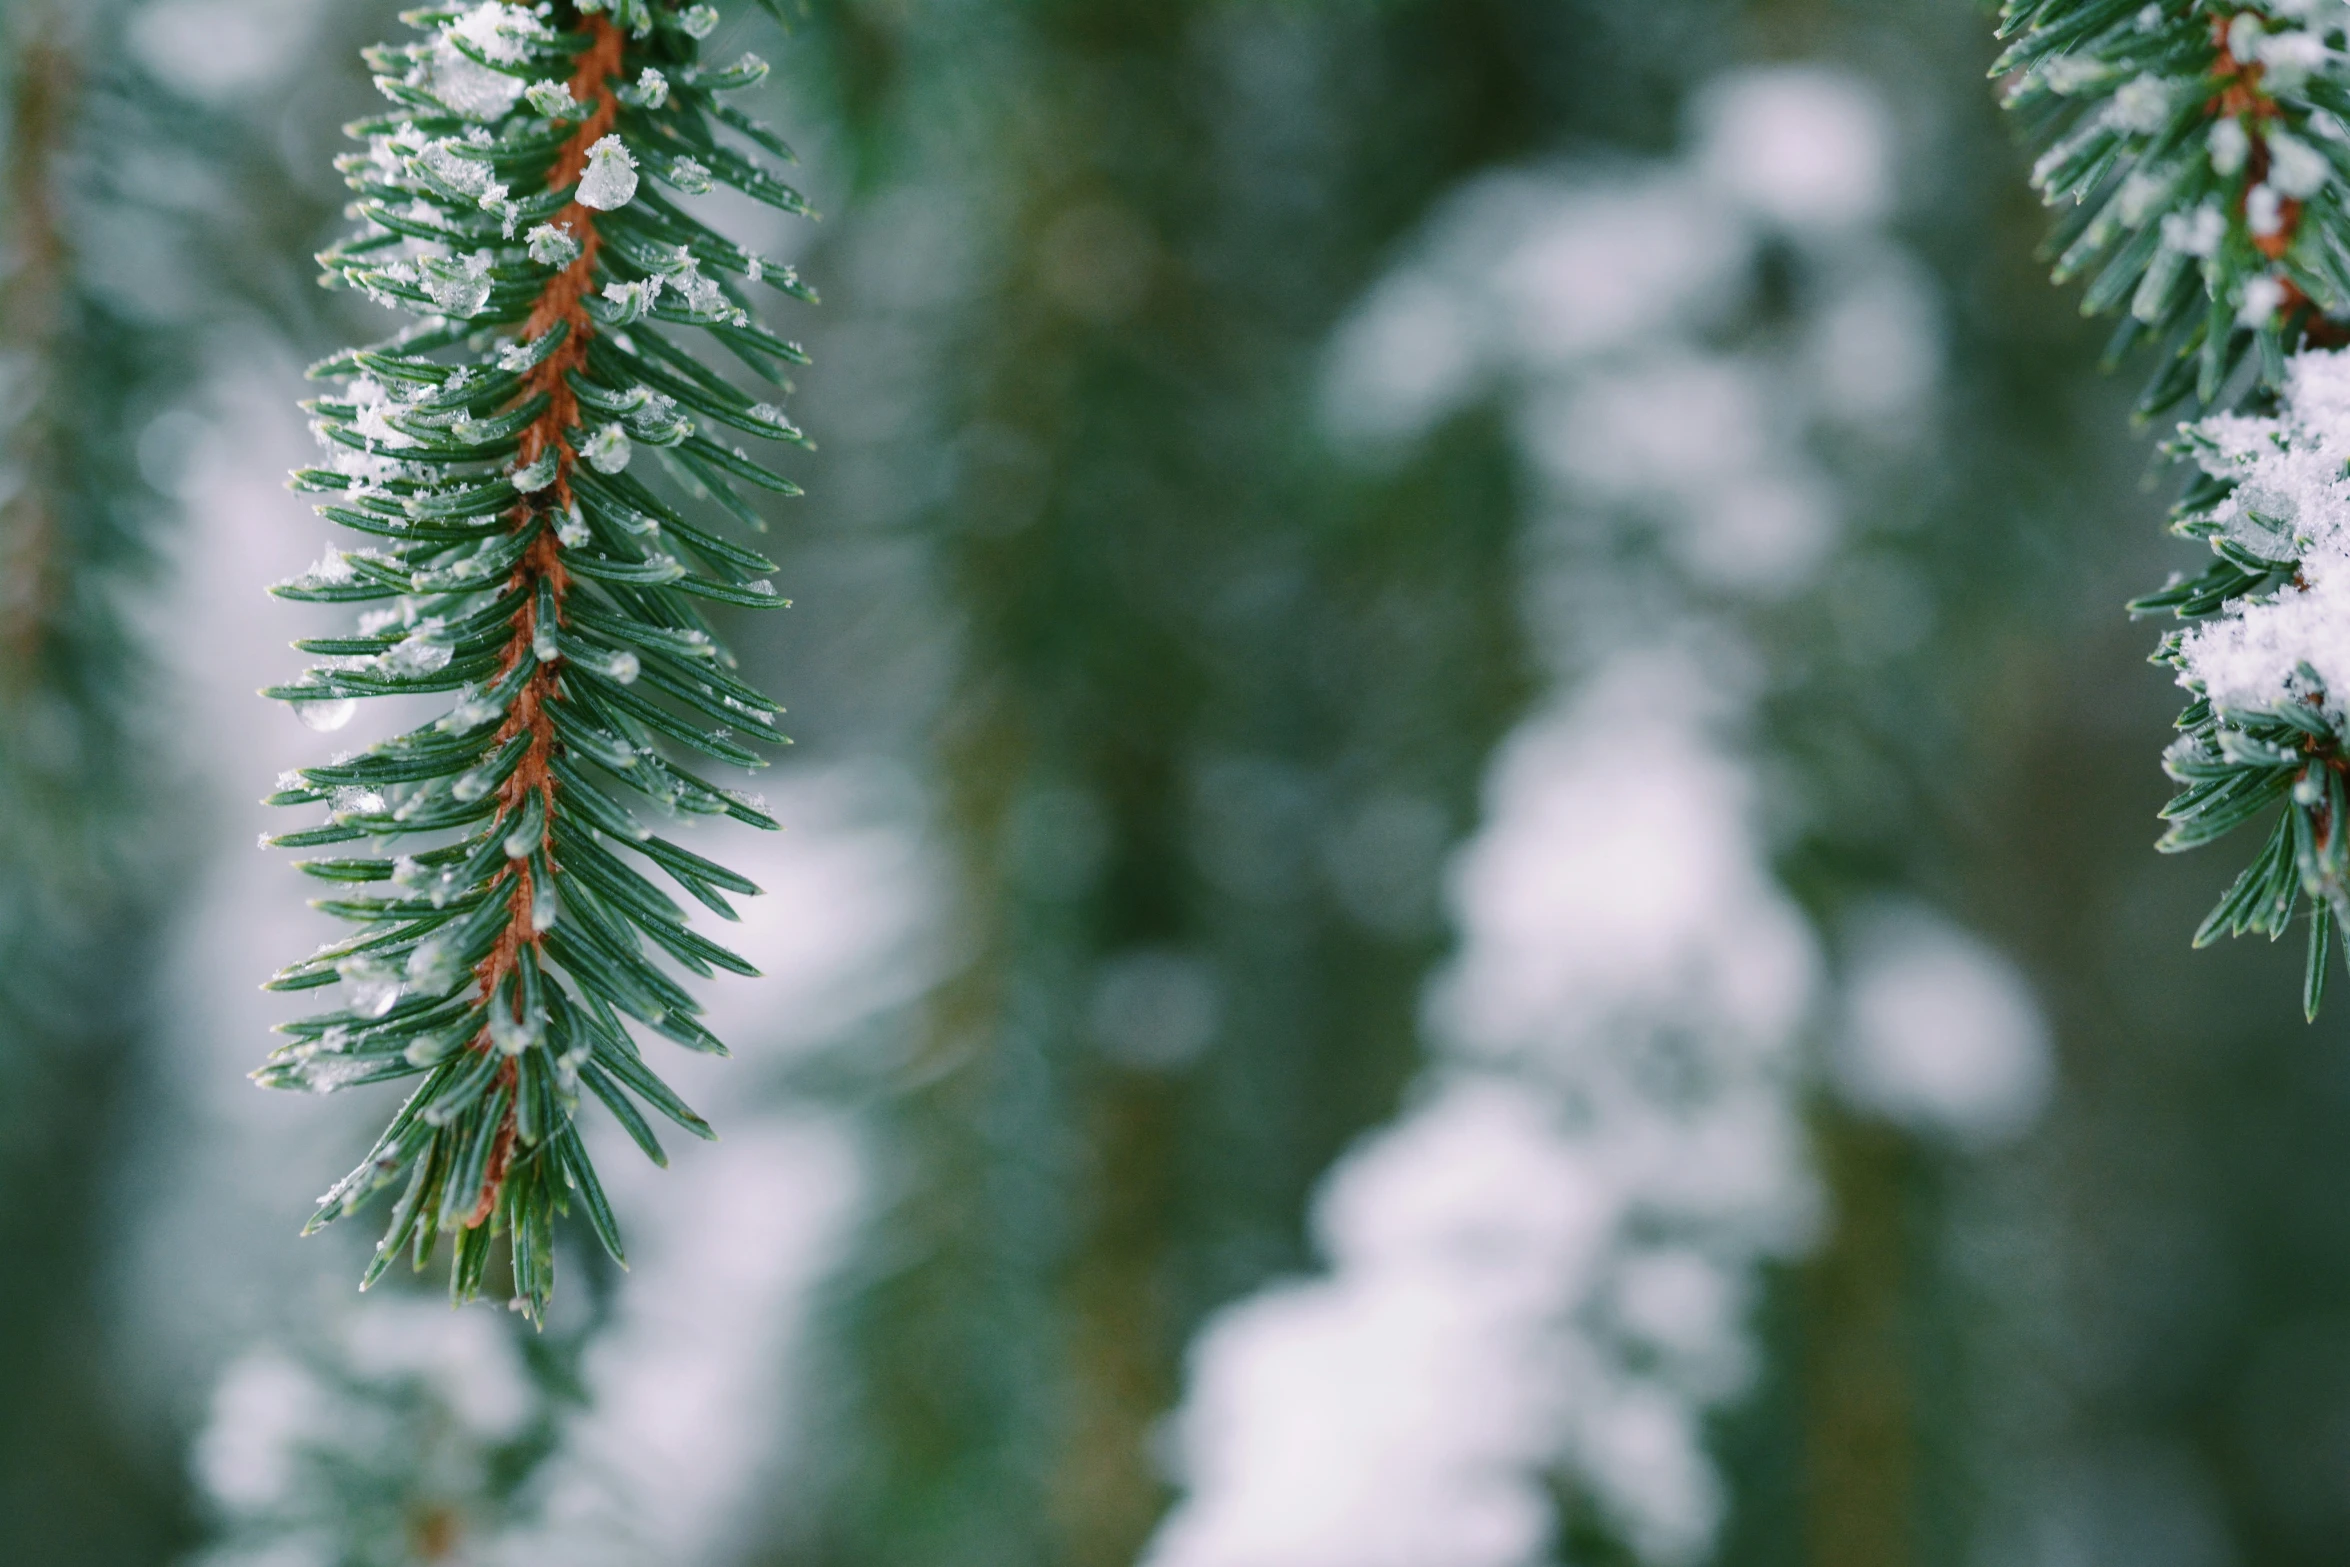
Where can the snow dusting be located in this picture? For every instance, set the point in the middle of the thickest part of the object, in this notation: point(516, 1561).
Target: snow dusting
point(2291, 503)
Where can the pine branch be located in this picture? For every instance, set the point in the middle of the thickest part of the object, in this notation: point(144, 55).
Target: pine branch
point(2205, 153)
point(519, 564)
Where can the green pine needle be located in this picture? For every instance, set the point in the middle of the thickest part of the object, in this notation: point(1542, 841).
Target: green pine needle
point(2209, 202)
point(522, 564)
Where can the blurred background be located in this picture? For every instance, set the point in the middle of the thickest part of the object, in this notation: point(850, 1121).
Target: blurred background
point(1468, 878)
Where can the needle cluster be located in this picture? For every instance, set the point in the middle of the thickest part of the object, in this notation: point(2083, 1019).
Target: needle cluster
point(525, 199)
point(2203, 151)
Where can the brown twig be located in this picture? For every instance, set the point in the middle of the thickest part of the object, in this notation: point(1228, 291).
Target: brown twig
point(2242, 98)
point(561, 303)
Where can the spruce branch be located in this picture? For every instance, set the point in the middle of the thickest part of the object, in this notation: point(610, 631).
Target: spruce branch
point(515, 561)
point(2205, 151)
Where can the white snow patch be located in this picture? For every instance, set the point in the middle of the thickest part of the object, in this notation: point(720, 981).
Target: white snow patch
point(2291, 503)
point(1941, 1033)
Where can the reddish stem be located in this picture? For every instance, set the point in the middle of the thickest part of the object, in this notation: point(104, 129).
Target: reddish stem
point(562, 302)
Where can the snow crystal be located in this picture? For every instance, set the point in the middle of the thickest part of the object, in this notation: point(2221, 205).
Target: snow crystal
point(2230, 145)
point(535, 476)
point(2244, 37)
point(460, 286)
point(702, 295)
point(2143, 106)
point(512, 1037)
point(420, 652)
point(351, 801)
point(471, 712)
point(2290, 59)
point(572, 531)
point(503, 33)
point(429, 1049)
point(552, 245)
point(2196, 233)
point(608, 450)
point(2263, 297)
point(633, 298)
point(649, 91)
point(2140, 194)
point(553, 100)
point(371, 985)
point(2067, 74)
point(657, 416)
point(610, 180)
point(435, 966)
point(468, 87)
point(699, 21)
point(2264, 210)
point(324, 1077)
point(2296, 168)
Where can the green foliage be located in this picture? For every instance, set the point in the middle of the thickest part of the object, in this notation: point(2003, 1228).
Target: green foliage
point(96, 336)
point(523, 201)
point(1191, 657)
point(2203, 152)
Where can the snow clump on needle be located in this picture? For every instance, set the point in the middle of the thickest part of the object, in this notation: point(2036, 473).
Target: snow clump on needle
point(501, 34)
point(2290, 504)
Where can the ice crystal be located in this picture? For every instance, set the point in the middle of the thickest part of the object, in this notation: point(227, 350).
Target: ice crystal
point(610, 180)
point(371, 985)
point(553, 100)
point(552, 245)
point(500, 33)
point(459, 286)
point(608, 450)
point(649, 91)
